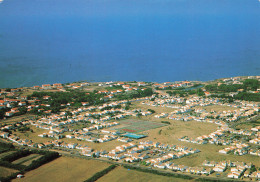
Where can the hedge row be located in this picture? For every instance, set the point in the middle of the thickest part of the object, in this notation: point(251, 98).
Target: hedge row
point(101, 173)
point(16, 155)
point(6, 161)
point(10, 165)
point(42, 160)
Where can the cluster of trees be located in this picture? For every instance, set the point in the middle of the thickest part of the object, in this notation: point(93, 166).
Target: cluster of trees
point(184, 93)
point(181, 93)
point(127, 105)
point(248, 96)
point(223, 88)
point(251, 84)
point(109, 107)
point(200, 92)
point(165, 122)
point(248, 84)
point(98, 175)
point(22, 110)
point(169, 88)
point(2, 112)
point(114, 87)
point(134, 94)
point(73, 97)
point(241, 96)
point(151, 110)
point(24, 128)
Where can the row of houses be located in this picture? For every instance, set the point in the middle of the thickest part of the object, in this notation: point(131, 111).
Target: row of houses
point(246, 109)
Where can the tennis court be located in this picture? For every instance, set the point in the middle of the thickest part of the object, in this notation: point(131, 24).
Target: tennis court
point(135, 126)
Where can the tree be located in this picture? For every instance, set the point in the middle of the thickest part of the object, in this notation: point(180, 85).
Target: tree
point(253, 169)
point(22, 110)
point(200, 92)
point(151, 110)
point(2, 112)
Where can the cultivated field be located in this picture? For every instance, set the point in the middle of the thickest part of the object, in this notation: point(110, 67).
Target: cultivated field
point(121, 174)
point(65, 169)
point(4, 172)
point(16, 118)
point(27, 160)
point(2, 155)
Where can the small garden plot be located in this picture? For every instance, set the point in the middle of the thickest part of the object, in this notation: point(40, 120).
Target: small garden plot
point(27, 163)
point(2, 155)
point(27, 160)
point(135, 126)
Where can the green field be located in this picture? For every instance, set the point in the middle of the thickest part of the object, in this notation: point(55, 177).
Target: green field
point(27, 160)
point(121, 174)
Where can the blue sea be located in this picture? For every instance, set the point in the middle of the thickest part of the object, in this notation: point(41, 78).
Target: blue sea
point(49, 41)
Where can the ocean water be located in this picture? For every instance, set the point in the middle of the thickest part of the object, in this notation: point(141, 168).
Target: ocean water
point(48, 41)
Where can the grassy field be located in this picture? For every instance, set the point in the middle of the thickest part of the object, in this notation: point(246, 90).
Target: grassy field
point(4, 172)
point(122, 174)
point(177, 129)
point(171, 133)
point(16, 118)
point(248, 125)
point(210, 152)
point(33, 135)
point(6, 154)
point(216, 108)
point(27, 160)
point(65, 169)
